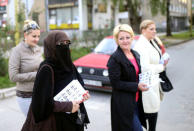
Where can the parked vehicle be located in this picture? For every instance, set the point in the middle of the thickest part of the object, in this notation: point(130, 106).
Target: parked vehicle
point(92, 66)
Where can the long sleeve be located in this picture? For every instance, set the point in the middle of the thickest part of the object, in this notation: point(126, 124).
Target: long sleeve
point(14, 69)
point(42, 100)
point(114, 70)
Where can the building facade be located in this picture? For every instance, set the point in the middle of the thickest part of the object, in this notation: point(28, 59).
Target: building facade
point(82, 15)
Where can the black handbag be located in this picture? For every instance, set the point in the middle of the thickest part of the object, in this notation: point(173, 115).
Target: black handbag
point(165, 84)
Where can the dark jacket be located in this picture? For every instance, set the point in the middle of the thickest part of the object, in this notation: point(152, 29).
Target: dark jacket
point(122, 76)
point(42, 100)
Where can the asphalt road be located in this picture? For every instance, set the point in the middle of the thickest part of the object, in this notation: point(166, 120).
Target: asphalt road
point(177, 108)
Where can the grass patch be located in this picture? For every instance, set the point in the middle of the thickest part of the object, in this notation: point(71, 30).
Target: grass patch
point(5, 82)
point(182, 36)
point(176, 38)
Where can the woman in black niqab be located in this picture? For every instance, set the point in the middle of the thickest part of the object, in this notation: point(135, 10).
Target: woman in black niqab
point(57, 55)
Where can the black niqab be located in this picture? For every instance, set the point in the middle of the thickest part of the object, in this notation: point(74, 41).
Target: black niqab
point(59, 54)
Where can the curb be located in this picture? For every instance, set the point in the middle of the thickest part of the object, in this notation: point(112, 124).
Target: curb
point(5, 93)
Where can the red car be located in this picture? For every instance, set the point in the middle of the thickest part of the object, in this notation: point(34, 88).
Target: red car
point(92, 66)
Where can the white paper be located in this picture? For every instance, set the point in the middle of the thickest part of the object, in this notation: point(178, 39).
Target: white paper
point(148, 78)
point(72, 92)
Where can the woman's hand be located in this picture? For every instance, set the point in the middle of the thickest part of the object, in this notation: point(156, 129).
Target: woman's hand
point(75, 106)
point(86, 96)
point(142, 87)
point(165, 62)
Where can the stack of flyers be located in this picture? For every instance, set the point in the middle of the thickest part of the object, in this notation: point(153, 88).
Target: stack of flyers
point(72, 92)
point(145, 77)
point(148, 78)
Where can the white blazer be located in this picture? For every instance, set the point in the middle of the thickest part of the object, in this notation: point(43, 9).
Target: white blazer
point(149, 60)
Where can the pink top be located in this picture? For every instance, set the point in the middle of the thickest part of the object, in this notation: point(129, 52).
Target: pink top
point(134, 62)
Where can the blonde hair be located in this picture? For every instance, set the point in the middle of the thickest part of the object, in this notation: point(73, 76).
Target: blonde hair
point(30, 25)
point(144, 24)
point(122, 27)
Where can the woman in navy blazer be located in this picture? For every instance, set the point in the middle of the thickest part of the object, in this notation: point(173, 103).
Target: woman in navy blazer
point(123, 68)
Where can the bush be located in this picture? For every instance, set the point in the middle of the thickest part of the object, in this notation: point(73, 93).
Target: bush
point(3, 64)
point(77, 53)
point(5, 82)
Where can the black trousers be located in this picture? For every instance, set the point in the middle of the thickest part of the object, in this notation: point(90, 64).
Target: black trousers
point(152, 120)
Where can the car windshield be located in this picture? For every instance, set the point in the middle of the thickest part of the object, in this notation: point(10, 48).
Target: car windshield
point(106, 46)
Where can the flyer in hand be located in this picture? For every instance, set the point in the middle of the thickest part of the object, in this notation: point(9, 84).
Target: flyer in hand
point(74, 91)
point(148, 78)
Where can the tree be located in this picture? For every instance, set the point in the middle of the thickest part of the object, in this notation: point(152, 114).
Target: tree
point(168, 21)
point(19, 19)
point(134, 8)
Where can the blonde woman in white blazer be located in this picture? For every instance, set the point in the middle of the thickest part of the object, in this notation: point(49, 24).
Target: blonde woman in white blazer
point(150, 61)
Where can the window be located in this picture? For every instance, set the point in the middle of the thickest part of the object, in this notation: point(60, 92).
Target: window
point(64, 18)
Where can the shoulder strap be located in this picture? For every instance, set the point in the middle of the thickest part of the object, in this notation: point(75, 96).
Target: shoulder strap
point(156, 48)
point(52, 74)
point(157, 43)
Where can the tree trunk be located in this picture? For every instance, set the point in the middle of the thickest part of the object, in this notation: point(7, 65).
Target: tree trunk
point(133, 16)
point(112, 16)
point(135, 23)
point(168, 25)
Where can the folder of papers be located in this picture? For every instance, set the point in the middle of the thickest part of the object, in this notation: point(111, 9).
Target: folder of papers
point(74, 91)
point(149, 78)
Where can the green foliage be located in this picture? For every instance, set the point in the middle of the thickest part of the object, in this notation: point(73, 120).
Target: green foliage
point(176, 38)
point(77, 53)
point(21, 17)
point(3, 64)
point(183, 35)
point(6, 37)
point(121, 7)
point(163, 7)
point(158, 6)
point(21, 14)
point(114, 2)
point(90, 38)
point(5, 82)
